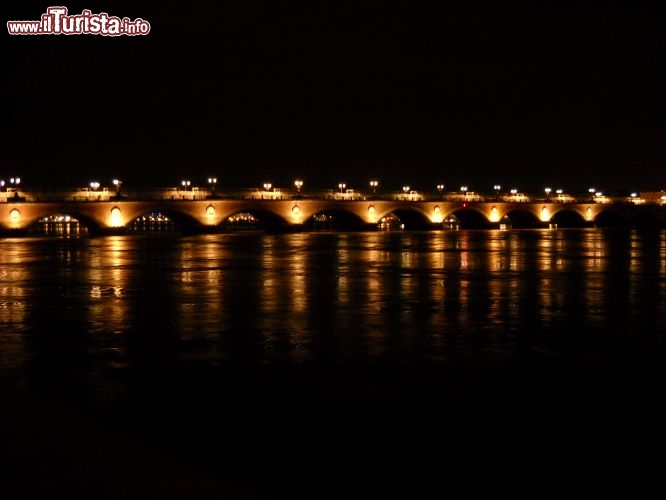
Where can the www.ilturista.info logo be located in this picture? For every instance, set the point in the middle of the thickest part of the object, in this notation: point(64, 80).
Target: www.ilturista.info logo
point(56, 22)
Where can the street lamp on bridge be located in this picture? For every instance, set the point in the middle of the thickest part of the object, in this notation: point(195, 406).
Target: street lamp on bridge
point(267, 186)
point(299, 184)
point(341, 186)
point(118, 185)
point(497, 188)
point(212, 182)
point(185, 183)
point(547, 190)
point(440, 188)
point(373, 185)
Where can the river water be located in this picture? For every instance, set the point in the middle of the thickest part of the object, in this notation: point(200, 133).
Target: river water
point(458, 364)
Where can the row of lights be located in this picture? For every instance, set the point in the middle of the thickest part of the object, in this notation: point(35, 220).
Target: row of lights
point(187, 183)
point(94, 185)
point(440, 188)
point(374, 184)
point(14, 181)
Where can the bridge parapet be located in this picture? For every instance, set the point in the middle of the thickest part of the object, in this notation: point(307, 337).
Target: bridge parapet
point(275, 193)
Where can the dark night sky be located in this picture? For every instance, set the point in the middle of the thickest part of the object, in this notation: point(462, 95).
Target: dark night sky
point(567, 95)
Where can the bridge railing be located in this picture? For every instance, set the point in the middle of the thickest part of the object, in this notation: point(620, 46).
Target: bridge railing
point(28, 195)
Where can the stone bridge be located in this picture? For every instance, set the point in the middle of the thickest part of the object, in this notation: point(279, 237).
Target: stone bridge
point(115, 216)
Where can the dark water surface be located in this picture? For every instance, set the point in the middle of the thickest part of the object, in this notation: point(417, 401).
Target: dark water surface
point(462, 364)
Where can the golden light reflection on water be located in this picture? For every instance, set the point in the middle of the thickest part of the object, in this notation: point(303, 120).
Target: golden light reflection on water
point(283, 287)
point(108, 280)
point(356, 281)
point(497, 260)
point(596, 253)
point(436, 320)
point(373, 295)
point(514, 252)
point(363, 287)
point(273, 295)
point(498, 292)
point(295, 333)
point(199, 280)
point(14, 300)
point(463, 246)
point(662, 253)
point(13, 275)
point(407, 259)
point(343, 264)
point(635, 252)
point(595, 249)
point(271, 292)
point(544, 253)
point(297, 276)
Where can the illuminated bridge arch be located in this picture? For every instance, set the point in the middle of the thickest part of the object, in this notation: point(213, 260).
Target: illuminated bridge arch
point(180, 219)
point(267, 220)
point(471, 217)
point(337, 218)
point(569, 217)
point(412, 216)
point(523, 217)
point(31, 219)
point(203, 216)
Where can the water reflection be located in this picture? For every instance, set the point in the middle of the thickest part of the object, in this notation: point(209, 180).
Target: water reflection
point(273, 295)
point(451, 297)
point(15, 266)
point(108, 283)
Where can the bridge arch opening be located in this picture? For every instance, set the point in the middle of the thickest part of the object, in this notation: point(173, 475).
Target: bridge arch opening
point(647, 220)
point(469, 218)
point(335, 220)
point(163, 220)
point(522, 219)
point(175, 221)
point(610, 218)
point(569, 219)
point(242, 221)
point(253, 220)
point(410, 220)
point(152, 222)
point(390, 223)
point(59, 225)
